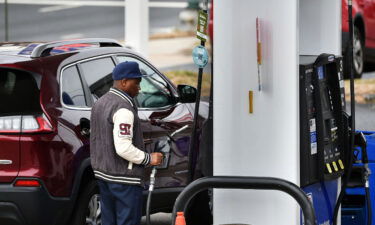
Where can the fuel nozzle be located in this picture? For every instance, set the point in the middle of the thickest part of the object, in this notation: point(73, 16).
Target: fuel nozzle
point(360, 141)
point(162, 146)
point(152, 179)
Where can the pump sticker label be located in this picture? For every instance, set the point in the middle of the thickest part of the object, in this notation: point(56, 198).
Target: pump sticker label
point(320, 73)
point(202, 26)
point(313, 141)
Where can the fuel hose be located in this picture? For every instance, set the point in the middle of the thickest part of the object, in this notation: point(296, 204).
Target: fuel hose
point(352, 115)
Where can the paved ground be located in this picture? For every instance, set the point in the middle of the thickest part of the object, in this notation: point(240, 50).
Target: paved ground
point(369, 75)
point(365, 117)
point(365, 113)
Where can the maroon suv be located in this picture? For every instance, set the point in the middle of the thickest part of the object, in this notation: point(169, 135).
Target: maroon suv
point(46, 94)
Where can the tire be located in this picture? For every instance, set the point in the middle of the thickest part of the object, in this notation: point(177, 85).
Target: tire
point(199, 210)
point(87, 208)
point(358, 56)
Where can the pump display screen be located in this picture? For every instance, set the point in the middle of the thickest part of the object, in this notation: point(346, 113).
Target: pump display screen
point(326, 102)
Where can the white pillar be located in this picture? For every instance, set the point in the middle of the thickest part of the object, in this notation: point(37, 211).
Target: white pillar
point(320, 33)
point(265, 142)
point(137, 25)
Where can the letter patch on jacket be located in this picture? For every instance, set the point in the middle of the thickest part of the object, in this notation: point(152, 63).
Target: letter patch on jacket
point(125, 129)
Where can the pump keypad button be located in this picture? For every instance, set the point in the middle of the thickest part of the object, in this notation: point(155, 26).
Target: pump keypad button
point(341, 164)
point(329, 168)
point(335, 166)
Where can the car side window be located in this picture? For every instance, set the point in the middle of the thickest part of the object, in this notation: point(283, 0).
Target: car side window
point(155, 91)
point(72, 92)
point(98, 75)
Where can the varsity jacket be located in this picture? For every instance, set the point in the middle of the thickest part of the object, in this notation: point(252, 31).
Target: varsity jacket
point(116, 141)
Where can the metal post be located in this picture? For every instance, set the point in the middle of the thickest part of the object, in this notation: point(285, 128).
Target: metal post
point(6, 20)
point(137, 25)
point(193, 143)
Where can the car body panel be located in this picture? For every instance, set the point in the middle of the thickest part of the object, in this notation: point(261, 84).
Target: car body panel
point(163, 123)
point(9, 157)
point(363, 10)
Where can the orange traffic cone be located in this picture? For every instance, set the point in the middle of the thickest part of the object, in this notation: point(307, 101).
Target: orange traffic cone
point(180, 219)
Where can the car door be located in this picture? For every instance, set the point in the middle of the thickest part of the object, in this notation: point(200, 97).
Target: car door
point(75, 112)
point(73, 119)
point(81, 84)
point(158, 106)
point(96, 78)
point(371, 12)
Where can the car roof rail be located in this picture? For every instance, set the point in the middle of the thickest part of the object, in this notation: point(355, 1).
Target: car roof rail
point(45, 49)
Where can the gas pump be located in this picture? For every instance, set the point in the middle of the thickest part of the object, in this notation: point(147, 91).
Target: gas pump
point(322, 104)
point(326, 151)
point(323, 131)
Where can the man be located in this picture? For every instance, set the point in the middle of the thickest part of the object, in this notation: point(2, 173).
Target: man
point(117, 151)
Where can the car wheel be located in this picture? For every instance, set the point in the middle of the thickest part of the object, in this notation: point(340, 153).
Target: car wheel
point(199, 210)
point(358, 56)
point(87, 210)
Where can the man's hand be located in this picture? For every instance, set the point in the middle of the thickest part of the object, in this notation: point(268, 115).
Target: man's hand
point(156, 158)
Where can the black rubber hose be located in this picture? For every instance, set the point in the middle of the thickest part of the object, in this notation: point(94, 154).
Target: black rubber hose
point(352, 115)
point(148, 207)
point(343, 187)
point(364, 155)
point(367, 188)
point(369, 211)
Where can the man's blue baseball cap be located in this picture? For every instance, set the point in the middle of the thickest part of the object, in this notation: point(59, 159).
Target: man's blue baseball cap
point(126, 70)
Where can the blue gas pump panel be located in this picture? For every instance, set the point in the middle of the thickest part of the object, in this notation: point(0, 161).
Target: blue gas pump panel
point(323, 195)
point(200, 56)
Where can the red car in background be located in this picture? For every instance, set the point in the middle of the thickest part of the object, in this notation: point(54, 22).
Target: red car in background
point(364, 35)
point(211, 23)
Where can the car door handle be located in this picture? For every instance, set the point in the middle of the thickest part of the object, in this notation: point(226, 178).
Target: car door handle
point(85, 132)
point(181, 172)
point(84, 124)
point(5, 162)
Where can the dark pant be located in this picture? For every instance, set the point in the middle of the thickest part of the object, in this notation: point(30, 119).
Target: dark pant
point(120, 204)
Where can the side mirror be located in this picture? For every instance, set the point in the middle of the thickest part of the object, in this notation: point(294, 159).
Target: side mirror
point(164, 147)
point(188, 94)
